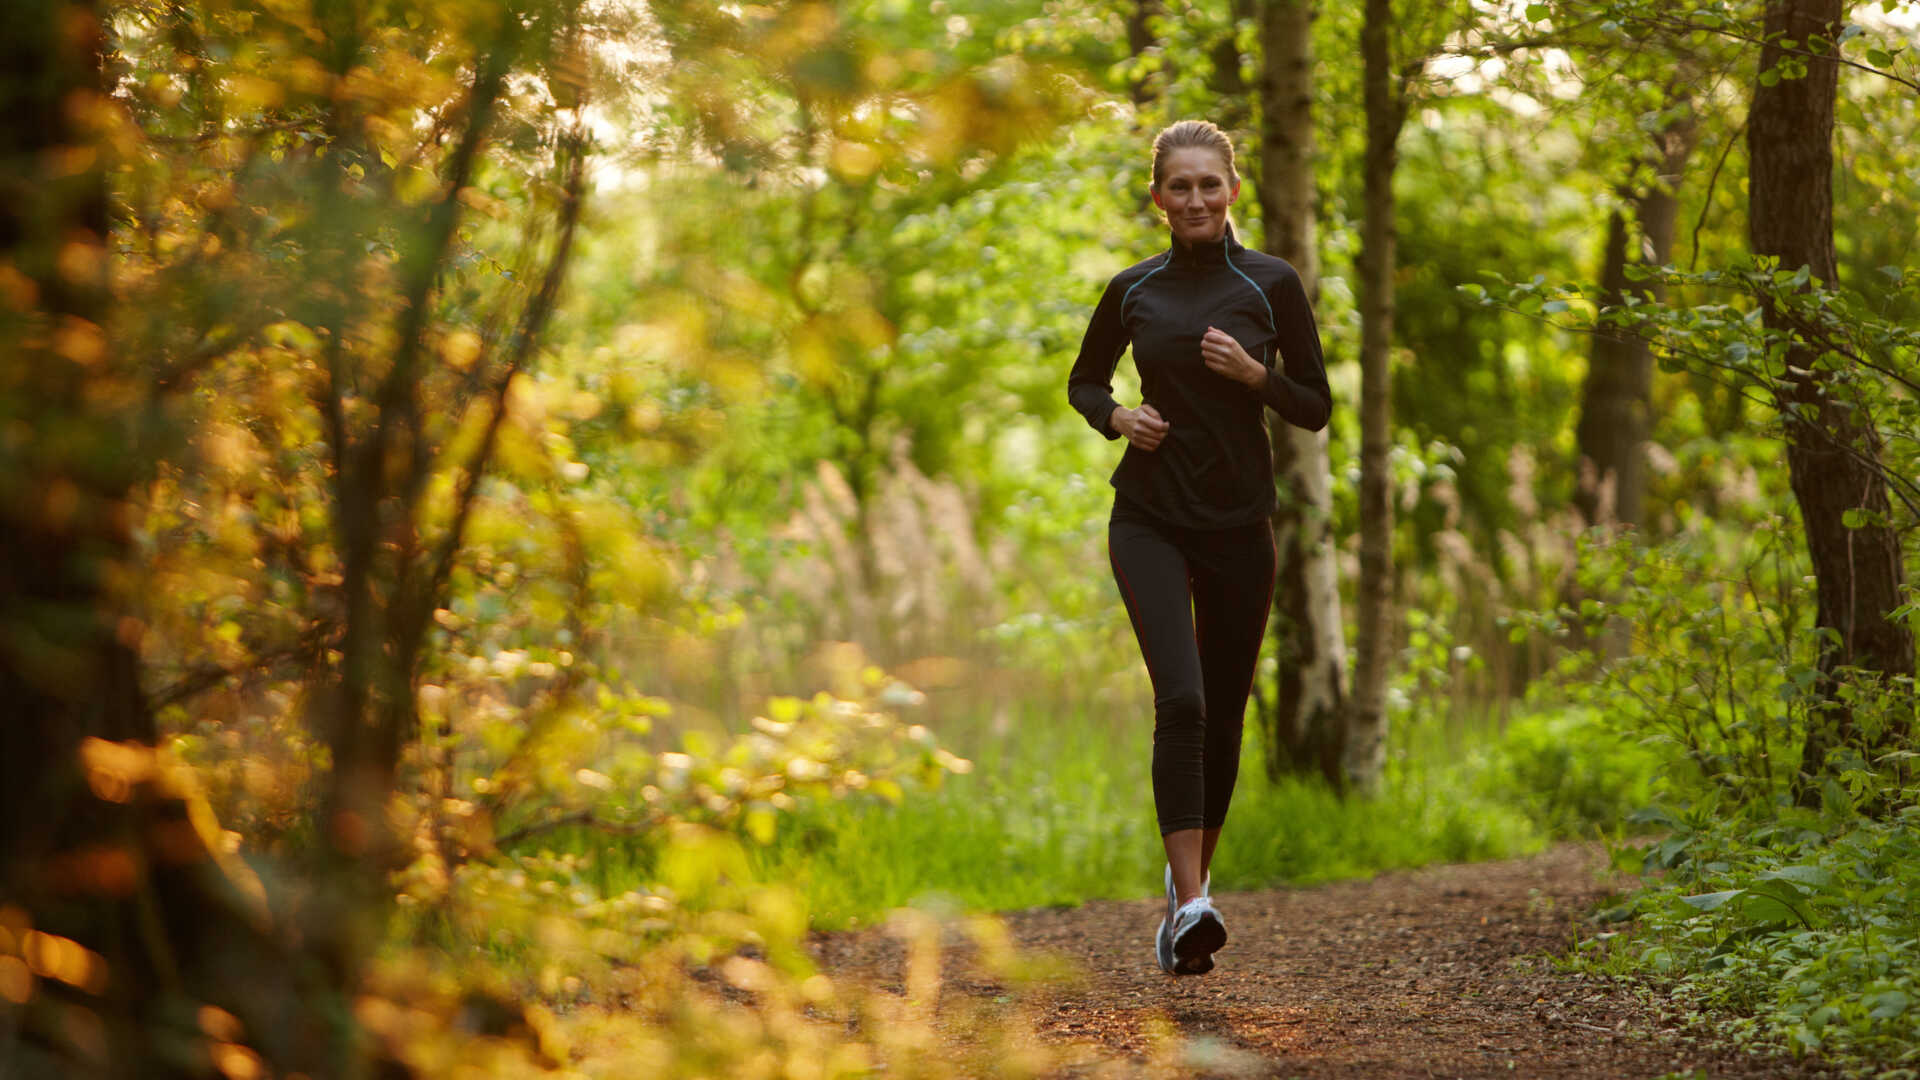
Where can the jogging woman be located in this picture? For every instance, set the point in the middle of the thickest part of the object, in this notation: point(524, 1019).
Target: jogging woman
point(1219, 334)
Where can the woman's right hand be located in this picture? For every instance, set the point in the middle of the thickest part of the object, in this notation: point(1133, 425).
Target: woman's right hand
point(1142, 427)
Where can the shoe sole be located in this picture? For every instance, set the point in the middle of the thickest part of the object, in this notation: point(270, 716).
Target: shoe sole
point(1193, 951)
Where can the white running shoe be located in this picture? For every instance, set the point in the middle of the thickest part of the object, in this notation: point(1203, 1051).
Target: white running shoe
point(1163, 945)
point(1173, 898)
point(1198, 933)
point(1163, 938)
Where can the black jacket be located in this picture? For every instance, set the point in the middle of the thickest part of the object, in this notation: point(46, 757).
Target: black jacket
point(1215, 468)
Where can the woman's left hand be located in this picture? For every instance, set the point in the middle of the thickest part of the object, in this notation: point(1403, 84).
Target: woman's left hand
point(1225, 356)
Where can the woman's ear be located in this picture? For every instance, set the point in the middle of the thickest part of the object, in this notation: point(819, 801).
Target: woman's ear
point(1234, 195)
point(1155, 192)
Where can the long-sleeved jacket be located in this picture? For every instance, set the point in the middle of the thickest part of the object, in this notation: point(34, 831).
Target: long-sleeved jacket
point(1214, 469)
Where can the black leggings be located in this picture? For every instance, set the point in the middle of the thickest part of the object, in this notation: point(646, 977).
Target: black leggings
point(1198, 599)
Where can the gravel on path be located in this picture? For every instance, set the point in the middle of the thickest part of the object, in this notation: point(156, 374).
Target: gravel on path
point(1443, 971)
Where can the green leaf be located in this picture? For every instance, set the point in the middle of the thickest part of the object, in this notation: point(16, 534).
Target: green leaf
point(1537, 12)
point(1889, 1005)
point(1774, 904)
point(1712, 901)
point(1654, 815)
point(1818, 877)
point(1879, 58)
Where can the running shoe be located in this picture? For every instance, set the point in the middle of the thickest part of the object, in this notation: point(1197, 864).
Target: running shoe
point(1198, 933)
point(1173, 898)
point(1163, 938)
point(1163, 945)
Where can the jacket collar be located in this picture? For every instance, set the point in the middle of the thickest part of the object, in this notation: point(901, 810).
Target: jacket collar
point(1212, 253)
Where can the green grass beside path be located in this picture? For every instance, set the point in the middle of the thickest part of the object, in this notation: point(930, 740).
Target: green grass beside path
point(1058, 813)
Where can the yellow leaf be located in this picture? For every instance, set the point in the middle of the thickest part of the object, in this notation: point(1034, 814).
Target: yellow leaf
point(784, 710)
point(761, 824)
point(855, 160)
point(460, 349)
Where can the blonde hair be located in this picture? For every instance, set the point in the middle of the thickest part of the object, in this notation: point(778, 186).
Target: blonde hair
point(1192, 134)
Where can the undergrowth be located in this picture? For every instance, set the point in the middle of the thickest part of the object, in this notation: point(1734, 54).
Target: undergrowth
point(1796, 930)
point(1782, 907)
point(1062, 811)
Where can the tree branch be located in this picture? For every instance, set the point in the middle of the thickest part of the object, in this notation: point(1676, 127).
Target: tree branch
point(526, 336)
point(583, 818)
point(1701, 362)
point(210, 349)
point(204, 677)
point(1713, 182)
point(423, 267)
point(1682, 26)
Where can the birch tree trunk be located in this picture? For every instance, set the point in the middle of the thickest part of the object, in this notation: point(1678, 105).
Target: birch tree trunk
point(1385, 104)
point(1301, 714)
point(1833, 452)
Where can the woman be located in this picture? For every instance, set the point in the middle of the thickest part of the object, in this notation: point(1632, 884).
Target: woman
point(1191, 547)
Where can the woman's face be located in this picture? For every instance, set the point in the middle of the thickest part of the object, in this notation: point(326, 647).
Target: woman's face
point(1194, 191)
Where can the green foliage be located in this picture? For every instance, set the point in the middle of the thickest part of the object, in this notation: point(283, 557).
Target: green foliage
point(1571, 772)
point(1797, 927)
point(618, 914)
point(800, 410)
point(1864, 359)
point(1718, 674)
point(1050, 816)
point(1792, 926)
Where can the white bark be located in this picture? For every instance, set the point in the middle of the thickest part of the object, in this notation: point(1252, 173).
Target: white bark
point(1302, 713)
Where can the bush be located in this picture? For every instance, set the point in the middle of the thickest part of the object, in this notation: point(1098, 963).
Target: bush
point(1794, 926)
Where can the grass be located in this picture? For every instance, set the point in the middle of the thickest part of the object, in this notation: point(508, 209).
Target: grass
point(1061, 812)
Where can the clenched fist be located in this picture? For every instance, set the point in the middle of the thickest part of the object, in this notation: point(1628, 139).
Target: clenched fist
point(1143, 427)
point(1225, 356)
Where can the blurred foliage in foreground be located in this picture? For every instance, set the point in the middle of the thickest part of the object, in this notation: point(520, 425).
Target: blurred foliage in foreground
point(308, 611)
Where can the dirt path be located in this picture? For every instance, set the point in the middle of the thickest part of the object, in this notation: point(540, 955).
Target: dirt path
point(1427, 973)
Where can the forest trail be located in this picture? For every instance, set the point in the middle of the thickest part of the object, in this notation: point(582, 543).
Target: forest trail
point(1436, 972)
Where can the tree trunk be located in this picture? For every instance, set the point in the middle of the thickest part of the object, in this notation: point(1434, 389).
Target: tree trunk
point(1231, 110)
point(1385, 105)
point(1302, 716)
point(1617, 399)
point(1833, 452)
point(1614, 403)
point(98, 846)
point(1144, 87)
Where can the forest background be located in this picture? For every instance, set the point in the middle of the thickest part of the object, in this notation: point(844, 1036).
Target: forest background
point(515, 512)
